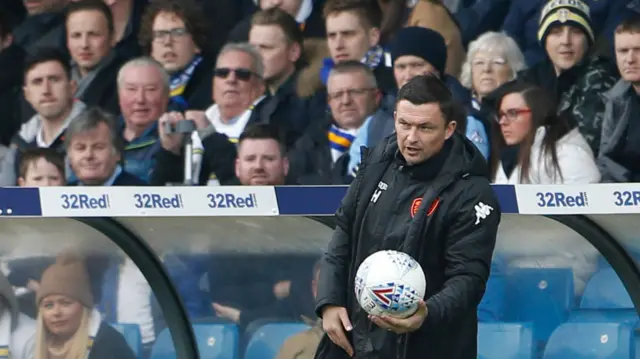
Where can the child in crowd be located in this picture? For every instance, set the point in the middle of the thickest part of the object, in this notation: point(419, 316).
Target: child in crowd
point(39, 167)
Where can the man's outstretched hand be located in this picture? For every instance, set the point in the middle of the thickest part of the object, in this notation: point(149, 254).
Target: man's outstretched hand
point(401, 326)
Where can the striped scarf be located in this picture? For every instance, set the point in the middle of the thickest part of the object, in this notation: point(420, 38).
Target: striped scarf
point(340, 141)
point(180, 80)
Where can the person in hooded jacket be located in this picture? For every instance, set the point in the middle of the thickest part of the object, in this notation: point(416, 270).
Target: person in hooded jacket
point(423, 191)
point(17, 330)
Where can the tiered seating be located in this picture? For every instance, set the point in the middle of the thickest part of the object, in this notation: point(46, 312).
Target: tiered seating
point(543, 297)
point(541, 322)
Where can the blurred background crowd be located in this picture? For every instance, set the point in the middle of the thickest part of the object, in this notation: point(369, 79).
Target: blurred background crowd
point(289, 91)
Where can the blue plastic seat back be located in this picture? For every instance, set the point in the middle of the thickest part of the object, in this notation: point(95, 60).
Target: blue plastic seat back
point(131, 333)
point(215, 341)
point(267, 340)
point(590, 340)
point(605, 290)
point(505, 341)
point(541, 296)
point(629, 316)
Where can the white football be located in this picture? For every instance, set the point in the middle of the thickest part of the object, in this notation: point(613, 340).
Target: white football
point(390, 282)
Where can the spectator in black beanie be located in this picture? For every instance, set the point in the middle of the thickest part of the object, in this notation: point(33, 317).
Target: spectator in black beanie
point(418, 51)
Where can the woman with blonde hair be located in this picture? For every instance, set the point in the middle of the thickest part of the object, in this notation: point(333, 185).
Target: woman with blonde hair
point(68, 326)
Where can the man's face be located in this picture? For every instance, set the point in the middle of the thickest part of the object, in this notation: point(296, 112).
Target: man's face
point(41, 173)
point(348, 38)
point(421, 130)
point(35, 7)
point(260, 163)
point(407, 67)
point(49, 90)
point(628, 56)
point(92, 155)
point(290, 6)
point(88, 38)
point(142, 95)
point(278, 55)
point(351, 98)
point(172, 44)
point(235, 83)
point(566, 46)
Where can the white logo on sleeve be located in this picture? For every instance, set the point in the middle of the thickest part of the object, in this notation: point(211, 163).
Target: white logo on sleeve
point(482, 211)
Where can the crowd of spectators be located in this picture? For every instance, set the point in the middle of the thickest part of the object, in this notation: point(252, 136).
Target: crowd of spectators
point(292, 90)
point(289, 92)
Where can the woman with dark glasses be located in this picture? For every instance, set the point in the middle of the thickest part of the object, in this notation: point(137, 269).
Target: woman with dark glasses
point(531, 144)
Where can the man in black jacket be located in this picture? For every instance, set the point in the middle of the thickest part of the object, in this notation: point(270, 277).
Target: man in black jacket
point(423, 191)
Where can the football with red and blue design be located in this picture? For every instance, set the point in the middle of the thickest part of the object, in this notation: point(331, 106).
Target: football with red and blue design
point(390, 282)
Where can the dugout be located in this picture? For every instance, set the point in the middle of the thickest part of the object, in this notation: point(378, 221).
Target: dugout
point(568, 284)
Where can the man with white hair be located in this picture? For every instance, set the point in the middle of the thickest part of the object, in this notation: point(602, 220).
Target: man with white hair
point(238, 91)
point(143, 94)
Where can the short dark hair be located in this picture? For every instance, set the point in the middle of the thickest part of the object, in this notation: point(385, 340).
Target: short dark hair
point(47, 54)
point(630, 24)
point(188, 11)
point(30, 155)
point(368, 11)
point(425, 89)
point(263, 131)
point(91, 5)
point(278, 17)
point(90, 119)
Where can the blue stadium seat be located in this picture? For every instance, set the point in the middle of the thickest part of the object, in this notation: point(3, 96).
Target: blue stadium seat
point(574, 340)
point(215, 341)
point(505, 341)
point(267, 340)
point(541, 296)
point(131, 333)
point(605, 291)
point(619, 315)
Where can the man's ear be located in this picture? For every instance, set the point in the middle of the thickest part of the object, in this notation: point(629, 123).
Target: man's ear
point(451, 128)
point(374, 37)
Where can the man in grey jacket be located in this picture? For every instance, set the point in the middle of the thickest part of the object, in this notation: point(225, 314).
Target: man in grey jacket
point(49, 89)
point(620, 143)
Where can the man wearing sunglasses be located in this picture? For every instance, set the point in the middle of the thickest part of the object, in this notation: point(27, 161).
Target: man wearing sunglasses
point(238, 91)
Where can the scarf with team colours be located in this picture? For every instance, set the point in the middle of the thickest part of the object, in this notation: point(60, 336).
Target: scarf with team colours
point(180, 79)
